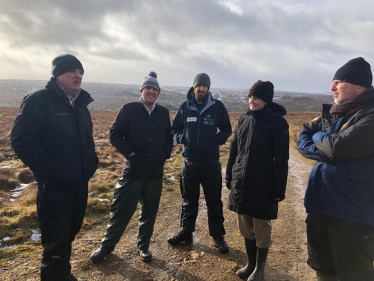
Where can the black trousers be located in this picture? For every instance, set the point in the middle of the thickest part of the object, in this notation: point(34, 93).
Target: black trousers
point(340, 248)
point(208, 174)
point(60, 210)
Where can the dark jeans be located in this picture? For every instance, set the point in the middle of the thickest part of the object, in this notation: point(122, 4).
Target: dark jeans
point(60, 211)
point(209, 175)
point(340, 248)
point(127, 194)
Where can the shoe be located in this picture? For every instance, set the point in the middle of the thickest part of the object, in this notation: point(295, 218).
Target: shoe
point(182, 236)
point(73, 278)
point(98, 255)
point(325, 277)
point(145, 255)
point(219, 242)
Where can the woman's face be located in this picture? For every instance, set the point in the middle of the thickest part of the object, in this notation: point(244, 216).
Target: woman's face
point(255, 103)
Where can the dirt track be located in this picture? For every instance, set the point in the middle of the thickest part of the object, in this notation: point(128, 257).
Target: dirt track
point(200, 261)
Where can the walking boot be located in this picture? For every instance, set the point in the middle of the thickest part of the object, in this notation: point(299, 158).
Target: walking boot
point(182, 236)
point(258, 273)
point(73, 278)
point(251, 249)
point(99, 254)
point(219, 242)
point(325, 277)
point(145, 255)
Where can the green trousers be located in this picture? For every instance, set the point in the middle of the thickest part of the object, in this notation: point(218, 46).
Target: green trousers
point(127, 194)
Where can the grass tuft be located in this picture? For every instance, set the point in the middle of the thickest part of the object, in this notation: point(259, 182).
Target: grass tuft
point(20, 251)
point(8, 179)
point(25, 176)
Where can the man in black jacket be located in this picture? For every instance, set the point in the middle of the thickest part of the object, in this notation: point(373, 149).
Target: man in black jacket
point(141, 132)
point(52, 135)
point(195, 126)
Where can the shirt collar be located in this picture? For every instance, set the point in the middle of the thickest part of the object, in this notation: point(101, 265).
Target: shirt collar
point(153, 107)
point(72, 100)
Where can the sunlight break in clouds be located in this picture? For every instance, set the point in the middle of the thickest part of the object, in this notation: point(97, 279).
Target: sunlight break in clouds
point(233, 6)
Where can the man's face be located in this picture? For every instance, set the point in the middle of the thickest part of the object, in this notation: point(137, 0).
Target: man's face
point(149, 95)
point(201, 93)
point(255, 103)
point(71, 81)
point(343, 91)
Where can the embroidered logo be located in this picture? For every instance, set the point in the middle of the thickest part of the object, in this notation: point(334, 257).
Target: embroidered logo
point(208, 120)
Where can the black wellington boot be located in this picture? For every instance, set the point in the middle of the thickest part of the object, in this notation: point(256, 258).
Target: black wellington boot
point(258, 273)
point(325, 277)
point(251, 249)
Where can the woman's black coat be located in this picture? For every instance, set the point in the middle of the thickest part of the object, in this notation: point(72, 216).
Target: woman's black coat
point(258, 162)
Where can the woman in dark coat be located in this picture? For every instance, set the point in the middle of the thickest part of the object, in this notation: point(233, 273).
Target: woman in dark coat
point(256, 174)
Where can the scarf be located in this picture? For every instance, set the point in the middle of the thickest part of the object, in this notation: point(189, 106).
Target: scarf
point(349, 107)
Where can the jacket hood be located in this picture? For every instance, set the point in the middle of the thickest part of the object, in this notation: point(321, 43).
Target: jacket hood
point(278, 109)
point(190, 94)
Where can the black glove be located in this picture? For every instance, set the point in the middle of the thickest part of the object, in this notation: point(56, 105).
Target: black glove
point(228, 184)
point(278, 198)
point(317, 120)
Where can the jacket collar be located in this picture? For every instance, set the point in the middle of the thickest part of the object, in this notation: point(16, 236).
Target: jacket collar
point(84, 98)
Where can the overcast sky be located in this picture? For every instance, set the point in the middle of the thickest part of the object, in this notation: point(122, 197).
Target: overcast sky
point(298, 45)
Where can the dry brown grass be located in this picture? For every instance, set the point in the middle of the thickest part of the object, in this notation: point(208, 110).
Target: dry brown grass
point(25, 175)
point(8, 179)
point(17, 218)
point(7, 116)
point(296, 119)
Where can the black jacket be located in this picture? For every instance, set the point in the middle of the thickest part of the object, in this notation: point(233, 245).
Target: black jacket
point(54, 138)
point(148, 136)
point(258, 162)
point(198, 131)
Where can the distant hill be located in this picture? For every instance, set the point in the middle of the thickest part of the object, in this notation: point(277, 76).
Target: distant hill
point(111, 96)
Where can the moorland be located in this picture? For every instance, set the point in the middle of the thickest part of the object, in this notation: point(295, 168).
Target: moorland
point(20, 255)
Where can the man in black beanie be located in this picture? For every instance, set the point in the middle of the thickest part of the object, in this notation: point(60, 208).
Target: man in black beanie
point(339, 198)
point(52, 135)
point(195, 126)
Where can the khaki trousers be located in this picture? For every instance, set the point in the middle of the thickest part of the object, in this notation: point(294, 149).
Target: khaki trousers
point(255, 229)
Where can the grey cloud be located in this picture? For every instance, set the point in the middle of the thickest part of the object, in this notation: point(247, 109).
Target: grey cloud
point(120, 53)
point(294, 39)
point(78, 22)
point(48, 23)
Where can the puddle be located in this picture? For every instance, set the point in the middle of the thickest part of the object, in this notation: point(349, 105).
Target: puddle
point(35, 236)
point(9, 247)
point(17, 191)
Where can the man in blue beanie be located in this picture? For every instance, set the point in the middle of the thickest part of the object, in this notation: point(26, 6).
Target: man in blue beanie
point(52, 135)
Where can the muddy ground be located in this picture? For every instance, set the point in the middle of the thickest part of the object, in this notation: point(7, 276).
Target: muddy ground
point(197, 262)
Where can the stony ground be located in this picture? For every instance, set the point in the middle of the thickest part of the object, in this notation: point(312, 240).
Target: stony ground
point(199, 261)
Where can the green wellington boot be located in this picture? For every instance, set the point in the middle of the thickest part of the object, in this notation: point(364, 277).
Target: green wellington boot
point(259, 272)
point(251, 249)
